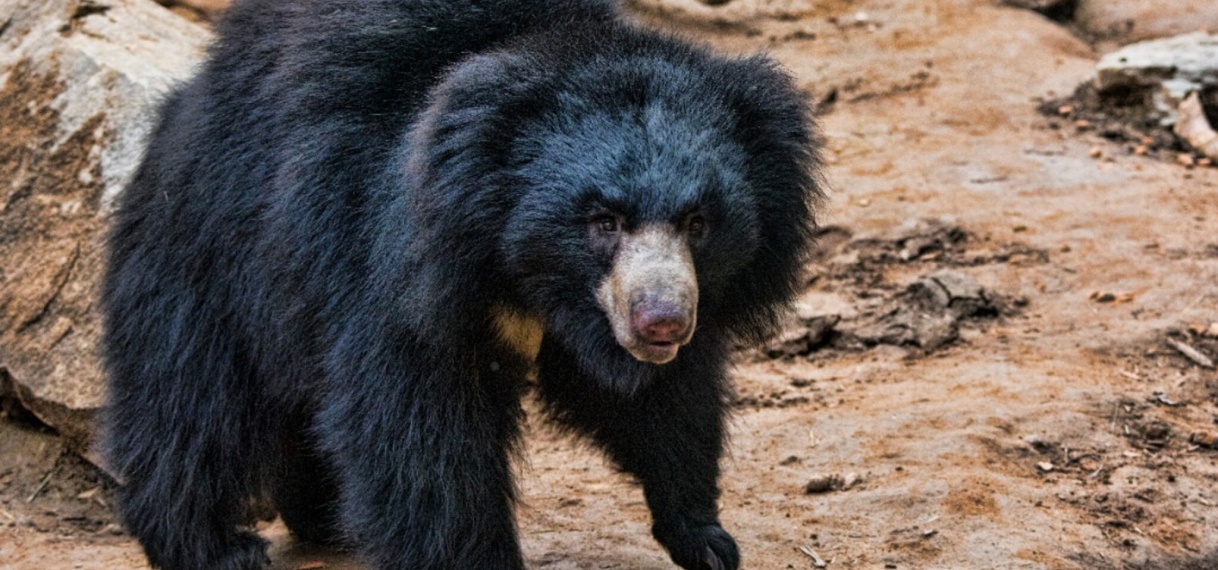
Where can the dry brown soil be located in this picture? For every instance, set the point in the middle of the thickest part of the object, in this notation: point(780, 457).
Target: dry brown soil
point(1061, 430)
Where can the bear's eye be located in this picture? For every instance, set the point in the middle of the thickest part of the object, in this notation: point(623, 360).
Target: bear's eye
point(606, 223)
point(695, 226)
point(605, 230)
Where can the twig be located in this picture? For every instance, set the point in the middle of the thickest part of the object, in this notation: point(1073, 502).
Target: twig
point(1192, 353)
point(816, 559)
point(1161, 398)
point(41, 486)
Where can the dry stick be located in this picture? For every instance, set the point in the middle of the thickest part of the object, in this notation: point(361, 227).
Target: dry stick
point(816, 559)
point(41, 486)
point(1192, 353)
point(1129, 375)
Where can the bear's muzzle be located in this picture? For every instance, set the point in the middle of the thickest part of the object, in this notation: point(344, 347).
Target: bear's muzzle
point(650, 296)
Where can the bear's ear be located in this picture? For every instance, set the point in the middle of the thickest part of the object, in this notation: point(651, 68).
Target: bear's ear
point(454, 199)
point(774, 126)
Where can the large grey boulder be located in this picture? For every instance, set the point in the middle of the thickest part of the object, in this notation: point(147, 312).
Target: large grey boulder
point(1169, 69)
point(1188, 61)
point(79, 83)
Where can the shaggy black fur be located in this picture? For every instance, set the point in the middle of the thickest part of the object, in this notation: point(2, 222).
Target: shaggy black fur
point(302, 273)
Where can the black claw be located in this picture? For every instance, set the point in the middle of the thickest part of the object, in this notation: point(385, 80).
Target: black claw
point(706, 547)
point(712, 560)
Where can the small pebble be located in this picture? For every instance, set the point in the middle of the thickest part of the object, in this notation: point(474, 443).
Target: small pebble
point(822, 484)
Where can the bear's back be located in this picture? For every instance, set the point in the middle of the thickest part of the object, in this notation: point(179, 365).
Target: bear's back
point(375, 57)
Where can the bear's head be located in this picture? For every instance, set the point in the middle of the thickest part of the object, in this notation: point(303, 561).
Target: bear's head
point(644, 202)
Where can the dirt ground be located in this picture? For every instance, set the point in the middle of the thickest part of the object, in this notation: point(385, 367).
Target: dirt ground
point(1053, 423)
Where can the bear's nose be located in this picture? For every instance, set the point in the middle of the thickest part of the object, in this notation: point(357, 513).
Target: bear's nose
point(661, 323)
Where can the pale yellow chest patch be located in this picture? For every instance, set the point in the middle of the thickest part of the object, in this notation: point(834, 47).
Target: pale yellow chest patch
point(518, 331)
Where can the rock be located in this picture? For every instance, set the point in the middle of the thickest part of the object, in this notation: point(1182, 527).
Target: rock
point(732, 13)
point(812, 304)
point(928, 313)
point(801, 336)
point(909, 326)
point(78, 83)
point(791, 341)
point(206, 6)
point(920, 236)
point(834, 482)
point(1059, 10)
point(1194, 128)
point(1204, 439)
point(1127, 21)
point(209, 9)
point(1167, 69)
point(822, 484)
point(1036, 5)
point(943, 228)
point(811, 325)
point(931, 333)
point(953, 291)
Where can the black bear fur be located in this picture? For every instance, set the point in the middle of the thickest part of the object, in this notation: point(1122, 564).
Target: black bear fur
point(303, 273)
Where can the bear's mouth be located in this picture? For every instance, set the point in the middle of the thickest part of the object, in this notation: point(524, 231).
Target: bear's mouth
point(655, 352)
point(650, 295)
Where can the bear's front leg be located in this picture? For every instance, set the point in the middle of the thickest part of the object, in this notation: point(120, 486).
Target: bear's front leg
point(671, 439)
point(422, 442)
point(669, 434)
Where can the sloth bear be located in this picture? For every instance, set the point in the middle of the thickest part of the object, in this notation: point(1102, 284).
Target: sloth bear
point(367, 226)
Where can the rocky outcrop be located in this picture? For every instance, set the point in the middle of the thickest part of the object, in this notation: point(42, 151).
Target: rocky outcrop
point(79, 81)
point(197, 10)
point(1125, 21)
point(725, 13)
point(1168, 70)
point(1181, 64)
